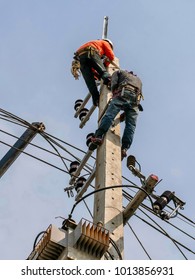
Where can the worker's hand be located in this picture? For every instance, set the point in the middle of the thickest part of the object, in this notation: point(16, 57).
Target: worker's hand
point(122, 117)
point(140, 107)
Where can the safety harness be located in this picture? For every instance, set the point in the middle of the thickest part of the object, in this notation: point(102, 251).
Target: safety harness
point(75, 69)
point(126, 85)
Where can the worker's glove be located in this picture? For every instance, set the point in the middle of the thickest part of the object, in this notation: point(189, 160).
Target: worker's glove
point(75, 69)
point(109, 85)
point(140, 107)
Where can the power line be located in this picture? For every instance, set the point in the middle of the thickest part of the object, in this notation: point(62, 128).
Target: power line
point(139, 241)
point(41, 160)
point(48, 140)
point(165, 234)
point(52, 140)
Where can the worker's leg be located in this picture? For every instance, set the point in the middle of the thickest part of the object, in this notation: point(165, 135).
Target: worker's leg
point(98, 65)
point(131, 114)
point(89, 79)
point(113, 109)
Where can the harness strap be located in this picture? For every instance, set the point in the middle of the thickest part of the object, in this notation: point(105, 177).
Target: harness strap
point(90, 50)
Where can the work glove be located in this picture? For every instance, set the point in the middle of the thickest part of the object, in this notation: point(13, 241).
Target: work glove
point(75, 69)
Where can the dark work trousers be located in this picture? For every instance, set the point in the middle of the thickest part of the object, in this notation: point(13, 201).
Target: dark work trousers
point(131, 113)
point(88, 62)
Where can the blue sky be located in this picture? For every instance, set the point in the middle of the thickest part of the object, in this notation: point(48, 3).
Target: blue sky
point(153, 38)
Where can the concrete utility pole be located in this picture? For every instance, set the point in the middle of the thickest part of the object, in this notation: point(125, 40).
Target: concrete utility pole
point(108, 203)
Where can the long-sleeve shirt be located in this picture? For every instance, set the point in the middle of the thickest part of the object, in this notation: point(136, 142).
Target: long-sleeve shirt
point(103, 47)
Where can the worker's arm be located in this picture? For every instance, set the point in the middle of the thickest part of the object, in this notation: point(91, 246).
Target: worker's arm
point(108, 52)
point(114, 81)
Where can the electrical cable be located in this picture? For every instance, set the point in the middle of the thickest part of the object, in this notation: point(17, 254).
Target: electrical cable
point(14, 122)
point(46, 150)
point(56, 152)
point(14, 117)
point(66, 143)
point(116, 248)
point(35, 242)
point(60, 146)
point(88, 209)
point(110, 255)
point(139, 241)
point(162, 232)
point(167, 235)
point(41, 160)
point(29, 125)
point(107, 188)
point(43, 133)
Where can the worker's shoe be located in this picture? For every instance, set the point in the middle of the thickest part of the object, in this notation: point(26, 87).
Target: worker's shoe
point(95, 100)
point(109, 85)
point(107, 81)
point(123, 153)
point(95, 142)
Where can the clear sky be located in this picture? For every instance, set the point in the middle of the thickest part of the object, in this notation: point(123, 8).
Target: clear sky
point(155, 39)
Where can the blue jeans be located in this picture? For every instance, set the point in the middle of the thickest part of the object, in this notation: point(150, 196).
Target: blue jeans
point(128, 105)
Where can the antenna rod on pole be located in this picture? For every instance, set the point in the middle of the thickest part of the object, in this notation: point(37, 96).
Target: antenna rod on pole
point(105, 28)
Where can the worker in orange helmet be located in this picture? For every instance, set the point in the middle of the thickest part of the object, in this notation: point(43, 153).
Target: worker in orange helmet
point(94, 55)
